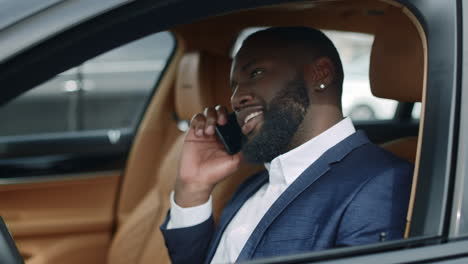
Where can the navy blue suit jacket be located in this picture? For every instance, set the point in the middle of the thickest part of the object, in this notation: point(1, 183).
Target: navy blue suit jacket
point(351, 195)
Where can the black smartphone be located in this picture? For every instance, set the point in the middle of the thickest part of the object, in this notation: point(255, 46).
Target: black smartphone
point(230, 134)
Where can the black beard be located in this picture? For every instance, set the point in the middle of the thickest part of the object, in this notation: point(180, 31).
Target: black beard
point(282, 119)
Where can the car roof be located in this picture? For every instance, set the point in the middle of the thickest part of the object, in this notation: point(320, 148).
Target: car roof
point(27, 22)
point(13, 11)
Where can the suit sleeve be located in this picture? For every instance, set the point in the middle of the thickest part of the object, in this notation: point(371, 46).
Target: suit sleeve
point(378, 210)
point(188, 244)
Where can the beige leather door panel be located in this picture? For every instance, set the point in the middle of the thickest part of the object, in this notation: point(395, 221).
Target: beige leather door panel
point(62, 219)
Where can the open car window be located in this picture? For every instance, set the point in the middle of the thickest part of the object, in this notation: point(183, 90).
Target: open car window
point(108, 92)
point(85, 114)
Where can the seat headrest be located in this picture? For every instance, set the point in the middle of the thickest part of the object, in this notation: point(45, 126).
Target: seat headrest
point(397, 58)
point(202, 81)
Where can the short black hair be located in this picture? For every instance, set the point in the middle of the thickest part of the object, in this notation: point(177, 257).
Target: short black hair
point(307, 37)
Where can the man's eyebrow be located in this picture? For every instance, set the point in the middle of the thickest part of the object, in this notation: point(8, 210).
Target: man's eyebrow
point(248, 64)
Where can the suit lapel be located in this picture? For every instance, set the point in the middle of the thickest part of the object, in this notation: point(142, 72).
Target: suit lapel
point(231, 209)
point(307, 178)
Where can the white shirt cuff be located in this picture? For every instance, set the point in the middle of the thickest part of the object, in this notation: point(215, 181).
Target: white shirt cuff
point(185, 217)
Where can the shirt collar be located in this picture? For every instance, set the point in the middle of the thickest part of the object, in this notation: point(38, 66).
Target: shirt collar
point(285, 168)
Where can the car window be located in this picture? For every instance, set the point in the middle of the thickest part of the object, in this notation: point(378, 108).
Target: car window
point(354, 49)
point(106, 92)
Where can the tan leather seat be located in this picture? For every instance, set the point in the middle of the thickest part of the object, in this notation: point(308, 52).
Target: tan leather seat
point(403, 147)
point(202, 80)
point(397, 69)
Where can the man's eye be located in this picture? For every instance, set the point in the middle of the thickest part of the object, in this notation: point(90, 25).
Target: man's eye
point(255, 73)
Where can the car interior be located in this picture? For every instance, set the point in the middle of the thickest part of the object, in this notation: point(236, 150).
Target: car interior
point(114, 216)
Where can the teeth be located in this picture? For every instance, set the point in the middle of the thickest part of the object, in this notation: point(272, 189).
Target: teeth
point(250, 116)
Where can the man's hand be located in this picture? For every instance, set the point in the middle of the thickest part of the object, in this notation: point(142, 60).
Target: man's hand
point(204, 161)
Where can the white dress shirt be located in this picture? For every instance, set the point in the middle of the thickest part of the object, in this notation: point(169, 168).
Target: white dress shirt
point(283, 170)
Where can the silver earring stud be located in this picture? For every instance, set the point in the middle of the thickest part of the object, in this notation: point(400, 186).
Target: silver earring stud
point(322, 86)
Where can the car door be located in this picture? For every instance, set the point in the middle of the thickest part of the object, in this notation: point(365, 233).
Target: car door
point(64, 145)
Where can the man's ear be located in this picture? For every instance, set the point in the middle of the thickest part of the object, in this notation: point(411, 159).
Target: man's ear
point(319, 74)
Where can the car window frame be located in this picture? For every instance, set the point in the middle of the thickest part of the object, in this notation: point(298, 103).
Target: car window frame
point(458, 229)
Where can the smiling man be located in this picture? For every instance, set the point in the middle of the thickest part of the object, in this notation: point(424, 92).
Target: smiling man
point(325, 184)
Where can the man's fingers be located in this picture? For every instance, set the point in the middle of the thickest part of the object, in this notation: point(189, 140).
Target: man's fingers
point(198, 124)
point(222, 114)
point(211, 116)
point(205, 123)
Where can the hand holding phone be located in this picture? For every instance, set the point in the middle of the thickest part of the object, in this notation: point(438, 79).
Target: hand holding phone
point(204, 161)
point(230, 135)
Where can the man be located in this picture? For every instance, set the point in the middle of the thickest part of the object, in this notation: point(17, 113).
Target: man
point(325, 186)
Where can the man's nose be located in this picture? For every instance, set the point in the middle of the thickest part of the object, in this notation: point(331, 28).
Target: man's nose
point(241, 98)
